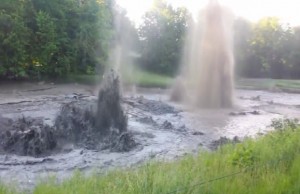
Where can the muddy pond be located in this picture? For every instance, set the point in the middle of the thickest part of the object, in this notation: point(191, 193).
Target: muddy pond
point(161, 129)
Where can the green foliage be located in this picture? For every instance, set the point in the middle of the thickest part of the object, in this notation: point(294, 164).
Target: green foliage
point(53, 38)
point(6, 190)
point(243, 156)
point(162, 37)
point(267, 49)
point(46, 44)
point(283, 124)
point(14, 40)
point(147, 79)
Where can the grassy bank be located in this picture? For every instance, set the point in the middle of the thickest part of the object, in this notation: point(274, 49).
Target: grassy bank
point(139, 78)
point(269, 164)
point(270, 84)
point(148, 79)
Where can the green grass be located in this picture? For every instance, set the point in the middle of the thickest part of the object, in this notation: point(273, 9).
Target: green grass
point(147, 79)
point(82, 79)
point(270, 84)
point(137, 77)
point(7, 190)
point(269, 164)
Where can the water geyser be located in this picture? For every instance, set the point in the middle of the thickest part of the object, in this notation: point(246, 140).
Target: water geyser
point(206, 79)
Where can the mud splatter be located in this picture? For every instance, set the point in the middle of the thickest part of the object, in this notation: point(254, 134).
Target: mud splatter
point(89, 124)
point(26, 137)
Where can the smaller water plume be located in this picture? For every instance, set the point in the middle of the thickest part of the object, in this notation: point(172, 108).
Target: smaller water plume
point(123, 54)
point(206, 79)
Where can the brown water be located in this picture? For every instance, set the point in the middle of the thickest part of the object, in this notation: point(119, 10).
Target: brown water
point(207, 68)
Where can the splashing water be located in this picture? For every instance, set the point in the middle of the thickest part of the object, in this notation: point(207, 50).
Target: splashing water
point(122, 55)
point(206, 79)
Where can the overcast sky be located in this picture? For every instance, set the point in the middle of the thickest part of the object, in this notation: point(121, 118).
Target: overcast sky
point(253, 10)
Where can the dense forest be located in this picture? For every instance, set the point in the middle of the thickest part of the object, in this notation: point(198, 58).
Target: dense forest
point(53, 38)
point(49, 39)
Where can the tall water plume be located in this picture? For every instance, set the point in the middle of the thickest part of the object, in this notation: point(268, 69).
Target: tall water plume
point(206, 79)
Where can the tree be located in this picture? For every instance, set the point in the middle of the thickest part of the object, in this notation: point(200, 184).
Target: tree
point(264, 49)
point(14, 38)
point(125, 44)
point(54, 38)
point(162, 37)
point(294, 58)
point(247, 63)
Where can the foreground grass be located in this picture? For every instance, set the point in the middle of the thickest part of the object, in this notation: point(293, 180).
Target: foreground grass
point(270, 164)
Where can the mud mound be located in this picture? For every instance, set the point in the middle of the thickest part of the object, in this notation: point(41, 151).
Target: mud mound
point(110, 113)
point(98, 124)
point(151, 106)
point(147, 120)
point(76, 123)
point(89, 124)
point(26, 137)
point(123, 143)
point(178, 90)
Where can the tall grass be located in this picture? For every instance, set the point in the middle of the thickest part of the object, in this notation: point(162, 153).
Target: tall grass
point(270, 164)
point(7, 190)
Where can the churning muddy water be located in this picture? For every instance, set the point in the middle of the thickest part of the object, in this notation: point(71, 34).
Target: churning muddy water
point(161, 130)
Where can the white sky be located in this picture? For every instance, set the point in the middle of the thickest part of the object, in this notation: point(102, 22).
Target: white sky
point(253, 10)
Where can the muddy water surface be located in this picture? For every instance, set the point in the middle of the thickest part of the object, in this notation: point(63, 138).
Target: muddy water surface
point(163, 130)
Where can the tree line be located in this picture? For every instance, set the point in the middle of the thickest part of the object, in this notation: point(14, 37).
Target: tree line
point(267, 48)
point(264, 49)
point(41, 38)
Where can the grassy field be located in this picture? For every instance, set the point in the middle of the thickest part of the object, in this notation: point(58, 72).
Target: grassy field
point(270, 84)
point(139, 78)
point(269, 164)
point(148, 79)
